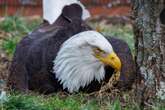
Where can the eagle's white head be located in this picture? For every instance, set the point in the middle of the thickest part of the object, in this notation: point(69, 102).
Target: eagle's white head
point(82, 58)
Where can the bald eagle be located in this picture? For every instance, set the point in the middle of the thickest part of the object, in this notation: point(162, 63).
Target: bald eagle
point(68, 55)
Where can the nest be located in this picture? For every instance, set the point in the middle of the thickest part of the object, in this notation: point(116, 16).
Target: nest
point(108, 89)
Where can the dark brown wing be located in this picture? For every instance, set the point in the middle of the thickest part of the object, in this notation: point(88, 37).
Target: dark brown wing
point(128, 66)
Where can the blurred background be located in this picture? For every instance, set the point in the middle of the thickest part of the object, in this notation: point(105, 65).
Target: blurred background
point(34, 7)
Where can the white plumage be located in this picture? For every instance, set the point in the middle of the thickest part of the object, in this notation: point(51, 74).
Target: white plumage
point(75, 65)
point(52, 9)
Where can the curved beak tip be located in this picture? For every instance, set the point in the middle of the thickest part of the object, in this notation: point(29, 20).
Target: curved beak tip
point(114, 61)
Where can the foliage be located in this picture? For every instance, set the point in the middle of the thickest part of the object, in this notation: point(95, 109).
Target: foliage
point(18, 24)
point(19, 101)
point(9, 45)
point(16, 27)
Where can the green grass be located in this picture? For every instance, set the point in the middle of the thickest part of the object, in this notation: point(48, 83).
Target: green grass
point(9, 45)
point(18, 24)
point(17, 27)
point(56, 102)
point(18, 101)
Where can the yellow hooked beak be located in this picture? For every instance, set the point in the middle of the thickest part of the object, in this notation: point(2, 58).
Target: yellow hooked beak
point(112, 60)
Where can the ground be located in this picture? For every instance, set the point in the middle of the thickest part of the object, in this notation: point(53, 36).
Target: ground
point(12, 29)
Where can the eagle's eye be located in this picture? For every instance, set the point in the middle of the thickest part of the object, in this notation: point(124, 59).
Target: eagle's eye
point(99, 52)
